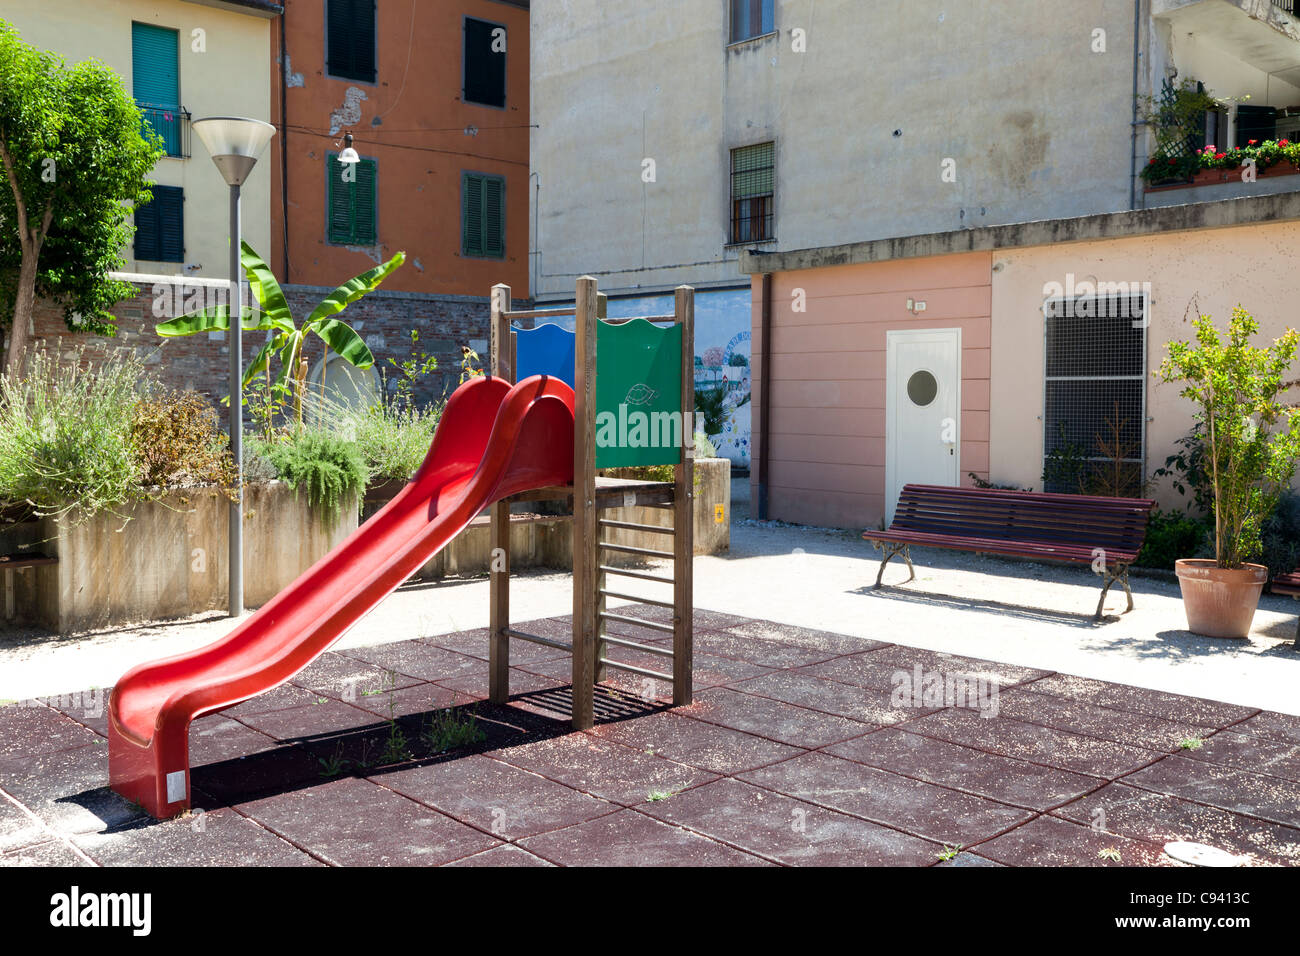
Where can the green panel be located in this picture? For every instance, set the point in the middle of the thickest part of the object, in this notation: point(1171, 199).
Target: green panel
point(155, 66)
point(472, 215)
point(638, 394)
point(339, 200)
point(365, 215)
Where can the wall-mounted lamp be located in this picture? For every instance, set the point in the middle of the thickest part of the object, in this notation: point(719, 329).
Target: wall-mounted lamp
point(915, 307)
point(349, 156)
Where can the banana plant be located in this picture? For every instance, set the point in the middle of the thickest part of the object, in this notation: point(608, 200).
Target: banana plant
point(288, 339)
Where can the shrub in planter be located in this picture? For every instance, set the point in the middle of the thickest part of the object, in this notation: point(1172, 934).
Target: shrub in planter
point(329, 468)
point(1172, 535)
point(1252, 443)
point(1281, 537)
point(179, 443)
point(65, 435)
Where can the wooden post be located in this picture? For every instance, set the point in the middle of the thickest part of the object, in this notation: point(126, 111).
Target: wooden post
point(586, 549)
point(684, 510)
point(499, 561)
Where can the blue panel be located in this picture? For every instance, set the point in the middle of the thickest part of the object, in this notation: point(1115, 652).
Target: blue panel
point(545, 350)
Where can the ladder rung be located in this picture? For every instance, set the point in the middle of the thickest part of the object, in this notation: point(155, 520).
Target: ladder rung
point(628, 549)
point(632, 597)
point(629, 526)
point(635, 670)
point(662, 652)
point(524, 636)
point(642, 575)
point(653, 625)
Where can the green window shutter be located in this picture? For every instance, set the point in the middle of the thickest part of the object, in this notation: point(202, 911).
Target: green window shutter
point(364, 202)
point(494, 218)
point(353, 207)
point(147, 231)
point(472, 215)
point(483, 215)
point(160, 226)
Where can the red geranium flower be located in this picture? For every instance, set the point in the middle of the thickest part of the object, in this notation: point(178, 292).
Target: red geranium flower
point(1284, 142)
point(1220, 155)
point(1251, 142)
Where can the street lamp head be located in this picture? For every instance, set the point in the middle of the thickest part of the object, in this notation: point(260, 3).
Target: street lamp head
point(235, 143)
point(349, 156)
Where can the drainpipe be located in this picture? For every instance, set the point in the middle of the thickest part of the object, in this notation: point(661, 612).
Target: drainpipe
point(765, 395)
point(1133, 144)
point(284, 143)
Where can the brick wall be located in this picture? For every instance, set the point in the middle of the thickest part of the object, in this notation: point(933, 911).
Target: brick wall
point(384, 320)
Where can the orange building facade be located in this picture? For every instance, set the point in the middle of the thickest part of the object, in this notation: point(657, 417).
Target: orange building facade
point(435, 95)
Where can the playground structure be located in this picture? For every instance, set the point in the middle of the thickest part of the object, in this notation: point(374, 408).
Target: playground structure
point(654, 369)
point(499, 441)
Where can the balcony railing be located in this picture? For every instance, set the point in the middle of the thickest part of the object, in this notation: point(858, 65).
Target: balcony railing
point(173, 125)
point(1286, 6)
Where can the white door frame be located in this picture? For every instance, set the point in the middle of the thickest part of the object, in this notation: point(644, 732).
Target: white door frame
point(893, 336)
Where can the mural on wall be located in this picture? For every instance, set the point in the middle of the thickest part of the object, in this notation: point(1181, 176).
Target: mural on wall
point(722, 374)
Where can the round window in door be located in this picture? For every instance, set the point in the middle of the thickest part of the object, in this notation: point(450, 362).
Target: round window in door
point(922, 388)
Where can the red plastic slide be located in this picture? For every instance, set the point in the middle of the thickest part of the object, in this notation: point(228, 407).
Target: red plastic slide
point(493, 441)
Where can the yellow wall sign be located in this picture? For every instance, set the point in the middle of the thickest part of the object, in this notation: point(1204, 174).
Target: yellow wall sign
point(719, 515)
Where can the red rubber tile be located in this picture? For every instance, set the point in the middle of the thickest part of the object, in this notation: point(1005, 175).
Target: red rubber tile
point(334, 675)
point(603, 769)
point(1048, 841)
point(1140, 700)
point(1257, 754)
point(284, 697)
point(1240, 791)
point(1045, 745)
point(1159, 818)
point(866, 704)
point(324, 717)
point(490, 795)
point(1273, 726)
point(789, 831)
point(773, 719)
point(923, 809)
point(962, 768)
point(418, 660)
point(822, 642)
point(353, 822)
point(18, 830)
point(504, 855)
point(68, 789)
point(1093, 720)
point(213, 838)
point(53, 853)
point(31, 728)
point(696, 743)
point(857, 670)
point(217, 737)
point(418, 699)
point(907, 659)
point(630, 838)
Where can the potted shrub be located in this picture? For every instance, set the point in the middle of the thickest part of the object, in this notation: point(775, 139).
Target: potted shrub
point(1252, 443)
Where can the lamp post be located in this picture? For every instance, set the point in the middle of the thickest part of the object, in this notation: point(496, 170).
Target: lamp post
point(235, 144)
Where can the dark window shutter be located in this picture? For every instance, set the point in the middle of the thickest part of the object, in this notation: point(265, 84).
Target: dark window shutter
point(338, 201)
point(365, 195)
point(350, 40)
point(160, 226)
point(472, 216)
point(485, 69)
point(494, 239)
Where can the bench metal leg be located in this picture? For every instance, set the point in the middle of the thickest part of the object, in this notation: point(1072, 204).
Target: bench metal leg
point(1297, 634)
point(1110, 575)
point(890, 550)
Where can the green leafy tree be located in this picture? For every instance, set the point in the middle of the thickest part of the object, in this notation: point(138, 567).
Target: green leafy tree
point(75, 157)
point(1252, 438)
point(289, 340)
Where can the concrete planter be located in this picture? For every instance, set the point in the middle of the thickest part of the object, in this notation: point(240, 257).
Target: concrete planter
point(170, 559)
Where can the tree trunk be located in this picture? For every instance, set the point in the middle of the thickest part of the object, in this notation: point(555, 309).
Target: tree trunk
point(24, 302)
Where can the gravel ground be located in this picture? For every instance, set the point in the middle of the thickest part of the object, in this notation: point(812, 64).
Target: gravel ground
point(1032, 615)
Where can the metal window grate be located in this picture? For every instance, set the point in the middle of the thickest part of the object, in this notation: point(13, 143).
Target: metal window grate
point(173, 125)
point(1094, 399)
point(753, 189)
point(1287, 6)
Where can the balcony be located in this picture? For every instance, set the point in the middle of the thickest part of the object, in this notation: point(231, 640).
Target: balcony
point(173, 125)
point(1264, 35)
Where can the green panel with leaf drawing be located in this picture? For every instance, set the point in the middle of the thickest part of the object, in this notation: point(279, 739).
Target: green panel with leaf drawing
point(638, 394)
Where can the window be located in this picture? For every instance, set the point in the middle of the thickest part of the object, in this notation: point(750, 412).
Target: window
point(485, 63)
point(350, 39)
point(160, 226)
point(751, 18)
point(483, 216)
point(753, 183)
point(353, 202)
point(1094, 403)
point(155, 80)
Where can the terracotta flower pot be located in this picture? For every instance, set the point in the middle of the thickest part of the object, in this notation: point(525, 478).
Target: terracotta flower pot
point(1219, 602)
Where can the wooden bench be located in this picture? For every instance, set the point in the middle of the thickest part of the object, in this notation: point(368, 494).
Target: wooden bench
point(1104, 532)
point(9, 563)
point(1289, 584)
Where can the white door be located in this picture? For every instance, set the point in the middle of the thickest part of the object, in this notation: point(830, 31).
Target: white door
point(922, 411)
